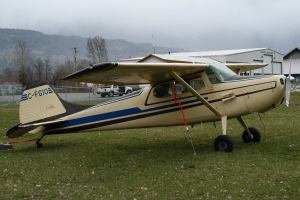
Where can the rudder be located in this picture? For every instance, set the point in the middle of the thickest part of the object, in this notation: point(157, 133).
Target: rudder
point(39, 101)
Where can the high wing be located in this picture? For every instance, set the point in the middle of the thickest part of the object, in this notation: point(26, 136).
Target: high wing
point(243, 67)
point(133, 73)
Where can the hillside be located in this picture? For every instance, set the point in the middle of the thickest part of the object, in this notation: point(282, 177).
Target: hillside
point(58, 47)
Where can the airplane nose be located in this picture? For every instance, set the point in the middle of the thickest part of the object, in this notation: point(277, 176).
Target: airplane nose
point(280, 90)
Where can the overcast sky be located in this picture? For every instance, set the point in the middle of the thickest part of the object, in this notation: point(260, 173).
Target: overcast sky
point(188, 24)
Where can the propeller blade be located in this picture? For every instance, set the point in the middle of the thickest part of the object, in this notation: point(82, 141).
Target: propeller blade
point(287, 91)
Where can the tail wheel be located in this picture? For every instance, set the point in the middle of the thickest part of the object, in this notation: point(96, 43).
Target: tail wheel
point(254, 135)
point(223, 143)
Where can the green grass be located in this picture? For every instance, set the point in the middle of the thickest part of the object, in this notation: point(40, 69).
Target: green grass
point(157, 163)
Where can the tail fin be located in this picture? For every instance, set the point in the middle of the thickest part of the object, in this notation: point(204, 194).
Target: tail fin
point(39, 101)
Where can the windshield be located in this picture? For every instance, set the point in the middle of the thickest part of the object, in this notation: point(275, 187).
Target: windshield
point(218, 72)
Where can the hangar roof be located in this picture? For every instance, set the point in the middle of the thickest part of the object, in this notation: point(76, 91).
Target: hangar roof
point(178, 58)
point(194, 56)
point(214, 53)
point(286, 56)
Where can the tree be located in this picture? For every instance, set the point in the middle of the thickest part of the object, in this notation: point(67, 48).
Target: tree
point(61, 71)
point(9, 75)
point(22, 60)
point(48, 69)
point(39, 68)
point(96, 48)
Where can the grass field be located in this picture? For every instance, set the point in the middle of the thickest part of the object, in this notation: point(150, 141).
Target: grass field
point(157, 163)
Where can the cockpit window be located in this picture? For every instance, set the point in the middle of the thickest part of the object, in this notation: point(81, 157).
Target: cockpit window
point(218, 73)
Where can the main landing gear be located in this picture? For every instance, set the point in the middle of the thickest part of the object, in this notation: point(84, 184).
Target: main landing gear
point(225, 143)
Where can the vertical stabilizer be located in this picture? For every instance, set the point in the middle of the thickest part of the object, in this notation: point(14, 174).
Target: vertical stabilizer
point(39, 101)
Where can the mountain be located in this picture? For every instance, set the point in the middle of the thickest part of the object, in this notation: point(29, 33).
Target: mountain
point(59, 47)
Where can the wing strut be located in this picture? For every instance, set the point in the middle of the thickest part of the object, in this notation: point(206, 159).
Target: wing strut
point(195, 93)
point(206, 103)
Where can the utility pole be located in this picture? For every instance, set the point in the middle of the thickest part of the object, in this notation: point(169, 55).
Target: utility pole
point(153, 43)
point(75, 58)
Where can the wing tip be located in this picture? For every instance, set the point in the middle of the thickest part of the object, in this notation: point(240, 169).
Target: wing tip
point(100, 66)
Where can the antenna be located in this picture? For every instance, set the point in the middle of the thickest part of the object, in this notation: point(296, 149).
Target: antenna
point(75, 58)
point(290, 70)
point(153, 43)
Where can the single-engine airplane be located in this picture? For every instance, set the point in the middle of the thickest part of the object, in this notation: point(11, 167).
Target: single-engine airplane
point(176, 93)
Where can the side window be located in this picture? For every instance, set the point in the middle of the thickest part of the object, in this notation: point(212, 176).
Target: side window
point(166, 90)
point(163, 90)
point(197, 84)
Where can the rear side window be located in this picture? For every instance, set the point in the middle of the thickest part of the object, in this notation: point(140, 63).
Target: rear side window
point(163, 90)
point(197, 84)
point(166, 90)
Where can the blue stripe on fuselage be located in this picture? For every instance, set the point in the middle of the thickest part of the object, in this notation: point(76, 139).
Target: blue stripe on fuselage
point(104, 116)
point(116, 114)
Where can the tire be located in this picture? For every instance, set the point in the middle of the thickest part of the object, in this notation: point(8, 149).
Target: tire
point(223, 143)
point(128, 91)
point(39, 145)
point(247, 138)
point(102, 95)
point(254, 137)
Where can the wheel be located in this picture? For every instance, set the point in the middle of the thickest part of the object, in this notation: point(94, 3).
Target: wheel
point(253, 137)
point(39, 145)
point(246, 137)
point(128, 91)
point(102, 95)
point(223, 143)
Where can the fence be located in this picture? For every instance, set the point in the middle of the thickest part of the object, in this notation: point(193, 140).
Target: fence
point(12, 93)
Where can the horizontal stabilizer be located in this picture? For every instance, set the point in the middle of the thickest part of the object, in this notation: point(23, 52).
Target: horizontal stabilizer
point(243, 67)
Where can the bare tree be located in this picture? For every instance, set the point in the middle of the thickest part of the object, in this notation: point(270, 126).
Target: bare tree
point(9, 75)
point(39, 68)
point(61, 71)
point(96, 48)
point(48, 69)
point(22, 59)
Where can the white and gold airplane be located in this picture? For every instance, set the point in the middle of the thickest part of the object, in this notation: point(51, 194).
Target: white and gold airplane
point(176, 93)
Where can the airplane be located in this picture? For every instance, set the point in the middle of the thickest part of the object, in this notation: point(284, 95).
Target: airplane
point(175, 94)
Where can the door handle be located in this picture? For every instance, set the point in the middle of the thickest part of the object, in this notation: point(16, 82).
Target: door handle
point(228, 97)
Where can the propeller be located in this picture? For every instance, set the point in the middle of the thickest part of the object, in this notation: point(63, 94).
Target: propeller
point(288, 90)
point(288, 86)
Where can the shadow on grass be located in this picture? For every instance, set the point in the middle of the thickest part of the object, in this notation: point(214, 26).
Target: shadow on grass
point(121, 149)
point(48, 147)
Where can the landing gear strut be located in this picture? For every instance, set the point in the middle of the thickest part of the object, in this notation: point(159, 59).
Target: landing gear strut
point(223, 142)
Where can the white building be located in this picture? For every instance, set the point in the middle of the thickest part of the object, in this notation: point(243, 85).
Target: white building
point(291, 61)
point(261, 55)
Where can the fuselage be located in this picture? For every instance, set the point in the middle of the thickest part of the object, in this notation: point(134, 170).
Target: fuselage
point(145, 108)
